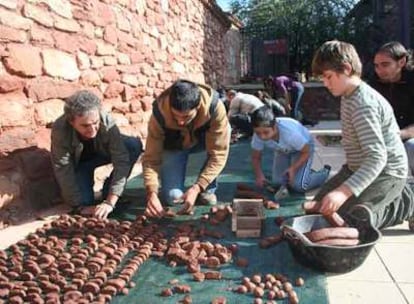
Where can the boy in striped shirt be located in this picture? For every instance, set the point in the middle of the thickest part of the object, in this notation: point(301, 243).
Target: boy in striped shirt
point(375, 172)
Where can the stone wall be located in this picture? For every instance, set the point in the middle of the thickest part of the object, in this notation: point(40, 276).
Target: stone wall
point(125, 51)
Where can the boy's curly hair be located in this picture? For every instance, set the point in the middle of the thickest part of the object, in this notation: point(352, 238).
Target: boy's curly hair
point(332, 55)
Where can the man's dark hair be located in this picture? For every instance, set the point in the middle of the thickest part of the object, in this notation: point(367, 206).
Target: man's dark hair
point(185, 95)
point(397, 51)
point(81, 103)
point(263, 117)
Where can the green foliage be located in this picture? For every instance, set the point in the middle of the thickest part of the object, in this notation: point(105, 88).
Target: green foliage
point(306, 24)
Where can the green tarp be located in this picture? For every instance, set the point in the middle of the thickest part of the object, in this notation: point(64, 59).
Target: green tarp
point(154, 275)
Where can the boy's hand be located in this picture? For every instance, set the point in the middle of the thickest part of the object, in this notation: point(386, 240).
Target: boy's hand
point(332, 201)
point(260, 181)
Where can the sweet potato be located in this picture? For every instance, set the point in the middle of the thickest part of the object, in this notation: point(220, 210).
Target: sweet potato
point(332, 233)
point(339, 242)
point(336, 220)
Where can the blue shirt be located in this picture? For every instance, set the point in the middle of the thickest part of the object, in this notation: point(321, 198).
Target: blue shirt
point(293, 136)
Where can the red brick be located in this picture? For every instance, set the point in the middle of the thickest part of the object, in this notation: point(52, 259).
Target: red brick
point(97, 62)
point(14, 20)
point(125, 48)
point(90, 78)
point(130, 93)
point(67, 25)
point(88, 29)
point(24, 60)
point(60, 7)
point(41, 37)
point(38, 14)
point(123, 20)
point(159, 20)
point(130, 68)
point(15, 110)
point(83, 60)
point(48, 111)
point(81, 14)
point(65, 42)
point(135, 106)
point(123, 58)
point(130, 79)
point(16, 138)
point(113, 90)
point(105, 49)
point(146, 103)
point(11, 4)
point(42, 138)
point(8, 34)
point(102, 15)
point(43, 88)
point(60, 64)
point(110, 34)
point(9, 83)
point(110, 60)
point(127, 38)
point(109, 74)
point(87, 45)
point(118, 106)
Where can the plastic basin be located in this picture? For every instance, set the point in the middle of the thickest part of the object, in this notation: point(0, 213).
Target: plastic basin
point(327, 258)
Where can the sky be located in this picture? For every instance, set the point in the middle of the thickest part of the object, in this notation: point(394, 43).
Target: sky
point(224, 4)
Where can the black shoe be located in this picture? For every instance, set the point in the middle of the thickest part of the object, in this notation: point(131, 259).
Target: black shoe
point(327, 167)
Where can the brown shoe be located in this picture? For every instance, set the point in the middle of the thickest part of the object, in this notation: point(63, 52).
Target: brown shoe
point(207, 199)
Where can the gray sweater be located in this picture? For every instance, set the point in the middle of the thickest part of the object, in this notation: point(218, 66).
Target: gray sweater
point(371, 139)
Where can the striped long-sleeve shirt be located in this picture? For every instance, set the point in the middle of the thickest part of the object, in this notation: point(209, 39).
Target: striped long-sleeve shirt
point(371, 139)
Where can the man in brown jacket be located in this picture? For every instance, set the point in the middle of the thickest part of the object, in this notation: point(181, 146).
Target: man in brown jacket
point(186, 118)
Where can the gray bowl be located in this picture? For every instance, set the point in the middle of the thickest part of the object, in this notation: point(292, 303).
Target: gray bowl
point(327, 258)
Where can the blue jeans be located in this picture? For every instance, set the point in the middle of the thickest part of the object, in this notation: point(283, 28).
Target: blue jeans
point(85, 170)
point(305, 178)
point(409, 147)
point(174, 166)
point(296, 95)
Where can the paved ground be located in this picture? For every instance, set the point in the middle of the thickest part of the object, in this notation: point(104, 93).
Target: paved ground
point(385, 277)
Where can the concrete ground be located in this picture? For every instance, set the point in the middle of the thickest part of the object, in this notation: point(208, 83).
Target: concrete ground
point(385, 277)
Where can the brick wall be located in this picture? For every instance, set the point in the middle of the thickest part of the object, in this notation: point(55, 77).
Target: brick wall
point(126, 51)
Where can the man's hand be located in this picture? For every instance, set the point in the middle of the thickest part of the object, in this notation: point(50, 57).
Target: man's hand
point(103, 210)
point(154, 207)
point(332, 201)
point(189, 198)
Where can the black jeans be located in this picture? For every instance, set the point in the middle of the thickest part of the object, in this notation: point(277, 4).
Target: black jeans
point(390, 198)
point(242, 122)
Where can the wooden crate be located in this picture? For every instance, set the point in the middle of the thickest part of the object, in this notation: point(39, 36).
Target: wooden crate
point(248, 217)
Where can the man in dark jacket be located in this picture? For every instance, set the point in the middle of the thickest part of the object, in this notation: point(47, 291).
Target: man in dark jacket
point(85, 138)
point(395, 81)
